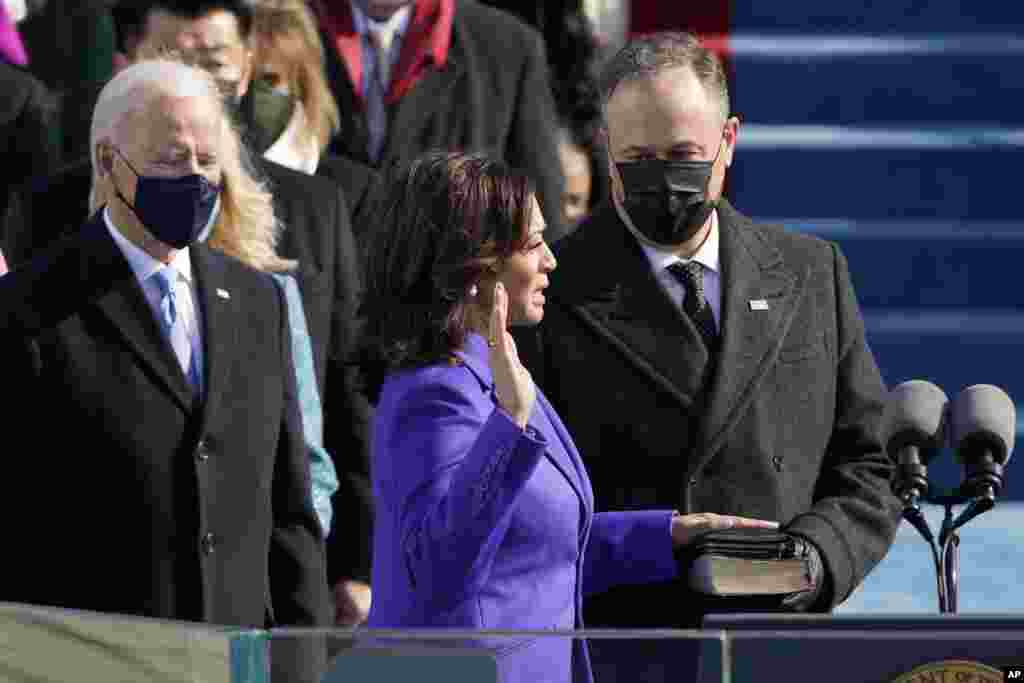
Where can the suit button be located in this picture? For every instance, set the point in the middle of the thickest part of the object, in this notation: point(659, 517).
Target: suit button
point(208, 543)
point(693, 481)
point(202, 451)
point(777, 462)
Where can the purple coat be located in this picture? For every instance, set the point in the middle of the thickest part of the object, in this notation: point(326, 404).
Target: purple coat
point(481, 525)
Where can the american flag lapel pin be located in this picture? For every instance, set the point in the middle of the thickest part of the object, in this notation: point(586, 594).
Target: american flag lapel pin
point(758, 305)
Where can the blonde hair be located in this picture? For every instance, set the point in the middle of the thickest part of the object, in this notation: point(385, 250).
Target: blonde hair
point(288, 29)
point(246, 228)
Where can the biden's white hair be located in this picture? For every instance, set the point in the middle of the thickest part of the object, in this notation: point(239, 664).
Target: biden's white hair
point(135, 88)
point(247, 228)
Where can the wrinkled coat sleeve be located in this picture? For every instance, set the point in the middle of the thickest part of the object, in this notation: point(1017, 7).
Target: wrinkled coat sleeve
point(854, 516)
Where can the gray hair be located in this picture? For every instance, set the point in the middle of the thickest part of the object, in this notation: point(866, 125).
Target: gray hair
point(247, 227)
point(649, 55)
point(135, 88)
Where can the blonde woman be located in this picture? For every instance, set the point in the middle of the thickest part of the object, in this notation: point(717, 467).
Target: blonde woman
point(290, 110)
point(288, 60)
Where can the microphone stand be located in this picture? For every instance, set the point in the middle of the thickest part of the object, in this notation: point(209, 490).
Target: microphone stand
point(946, 550)
point(912, 513)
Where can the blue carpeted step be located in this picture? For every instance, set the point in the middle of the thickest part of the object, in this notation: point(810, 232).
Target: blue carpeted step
point(928, 265)
point(829, 81)
point(875, 17)
point(953, 349)
point(881, 183)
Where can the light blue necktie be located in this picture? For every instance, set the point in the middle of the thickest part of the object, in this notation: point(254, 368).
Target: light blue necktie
point(174, 325)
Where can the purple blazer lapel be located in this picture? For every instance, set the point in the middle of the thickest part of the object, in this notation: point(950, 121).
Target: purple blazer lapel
point(561, 452)
point(572, 455)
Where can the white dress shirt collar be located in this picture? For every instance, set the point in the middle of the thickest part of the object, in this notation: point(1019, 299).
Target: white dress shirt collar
point(661, 258)
point(398, 22)
point(142, 264)
point(708, 255)
point(145, 266)
point(291, 150)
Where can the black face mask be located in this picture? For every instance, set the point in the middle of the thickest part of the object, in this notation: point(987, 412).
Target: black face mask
point(176, 211)
point(667, 201)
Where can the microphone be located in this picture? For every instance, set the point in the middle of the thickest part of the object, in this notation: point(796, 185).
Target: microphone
point(983, 422)
point(915, 431)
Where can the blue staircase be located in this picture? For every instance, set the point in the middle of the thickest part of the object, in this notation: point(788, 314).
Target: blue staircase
point(897, 130)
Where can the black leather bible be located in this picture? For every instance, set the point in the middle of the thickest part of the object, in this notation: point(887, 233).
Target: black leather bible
point(737, 562)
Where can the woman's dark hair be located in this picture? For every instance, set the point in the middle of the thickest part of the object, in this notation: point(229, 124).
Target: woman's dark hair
point(439, 222)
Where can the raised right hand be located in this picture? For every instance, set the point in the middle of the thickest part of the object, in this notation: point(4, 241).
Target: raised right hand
point(513, 384)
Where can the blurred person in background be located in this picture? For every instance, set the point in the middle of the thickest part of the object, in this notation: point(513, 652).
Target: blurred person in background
point(27, 114)
point(28, 120)
point(218, 35)
point(293, 113)
point(70, 48)
point(578, 178)
point(12, 48)
point(573, 57)
point(415, 75)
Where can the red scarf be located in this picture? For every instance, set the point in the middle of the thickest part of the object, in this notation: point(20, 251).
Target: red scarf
point(425, 42)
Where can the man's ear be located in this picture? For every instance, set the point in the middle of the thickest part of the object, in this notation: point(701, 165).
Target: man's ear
point(121, 62)
point(104, 158)
point(731, 135)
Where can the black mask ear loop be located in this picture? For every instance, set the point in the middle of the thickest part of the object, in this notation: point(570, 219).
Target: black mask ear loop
point(613, 167)
point(125, 160)
point(117, 190)
point(714, 161)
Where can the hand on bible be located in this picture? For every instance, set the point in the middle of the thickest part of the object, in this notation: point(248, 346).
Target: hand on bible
point(685, 528)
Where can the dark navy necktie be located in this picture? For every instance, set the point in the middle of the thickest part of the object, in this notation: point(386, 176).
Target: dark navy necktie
point(691, 276)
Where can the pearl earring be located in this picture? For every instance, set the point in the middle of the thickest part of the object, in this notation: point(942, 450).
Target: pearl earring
point(473, 290)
